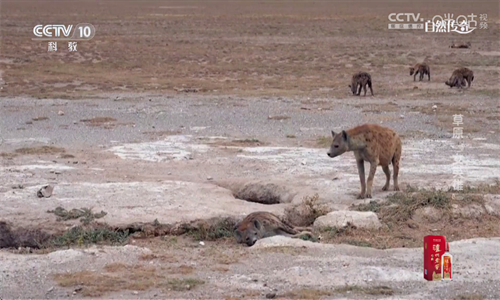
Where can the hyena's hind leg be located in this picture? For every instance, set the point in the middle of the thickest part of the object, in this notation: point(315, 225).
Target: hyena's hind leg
point(370, 86)
point(303, 233)
point(395, 167)
point(429, 74)
point(387, 177)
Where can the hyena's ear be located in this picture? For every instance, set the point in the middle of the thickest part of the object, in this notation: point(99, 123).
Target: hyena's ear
point(257, 224)
point(333, 134)
point(345, 137)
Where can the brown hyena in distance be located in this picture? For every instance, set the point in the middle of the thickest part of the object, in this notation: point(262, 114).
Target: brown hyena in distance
point(423, 69)
point(261, 224)
point(459, 77)
point(372, 143)
point(361, 79)
point(461, 45)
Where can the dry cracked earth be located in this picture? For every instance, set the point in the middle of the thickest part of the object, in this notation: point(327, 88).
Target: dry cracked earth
point(120, 133)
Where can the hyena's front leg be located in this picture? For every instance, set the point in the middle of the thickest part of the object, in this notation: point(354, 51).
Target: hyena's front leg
point(361, 170)
point(364, 88)
point(371, 175)
point(359, 90)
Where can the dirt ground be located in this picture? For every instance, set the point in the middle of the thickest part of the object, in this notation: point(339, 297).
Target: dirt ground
point(173, 107)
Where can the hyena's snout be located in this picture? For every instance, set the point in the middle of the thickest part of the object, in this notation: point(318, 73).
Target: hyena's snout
point(250, 241)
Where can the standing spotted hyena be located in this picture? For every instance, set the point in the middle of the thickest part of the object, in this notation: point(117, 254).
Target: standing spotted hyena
point(423, 69)
point(459, 77)
point(361, 79)
point(261, 224)
point(378, 145)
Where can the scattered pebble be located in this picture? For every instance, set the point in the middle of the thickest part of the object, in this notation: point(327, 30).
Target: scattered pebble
point(209, 178)
point(61, 113)
point(45, 192)
point(202, 243)
point(270, 295)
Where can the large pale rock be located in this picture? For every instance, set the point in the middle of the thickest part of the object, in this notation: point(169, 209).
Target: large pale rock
point(468, 211)
point(283, 241)
point(492, 204)
point(427, 214)
point(360, 219)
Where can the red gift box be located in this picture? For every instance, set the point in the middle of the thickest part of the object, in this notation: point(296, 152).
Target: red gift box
point(434, 246)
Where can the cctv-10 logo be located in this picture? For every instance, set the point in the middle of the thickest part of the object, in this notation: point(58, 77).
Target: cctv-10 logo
point(82, 31)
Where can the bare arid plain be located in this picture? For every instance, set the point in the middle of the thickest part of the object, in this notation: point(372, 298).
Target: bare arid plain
point(179, 118)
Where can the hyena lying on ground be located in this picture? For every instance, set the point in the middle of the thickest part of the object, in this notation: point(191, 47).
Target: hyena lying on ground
point(423, 69)
point(461, 45)
point(261, 224)
point(459, 77)
point(361, 79)
point(373, 143)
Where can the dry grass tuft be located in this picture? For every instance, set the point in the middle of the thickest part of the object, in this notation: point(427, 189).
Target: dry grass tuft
point(469, 297)
point(208, 230)
point(278, 118)
point(410, 215)
point(306, 293)
point(119, 276)
point(104, 122)
point(214, 254)
point(40, 150)
point(369, 290)
point(7, 155)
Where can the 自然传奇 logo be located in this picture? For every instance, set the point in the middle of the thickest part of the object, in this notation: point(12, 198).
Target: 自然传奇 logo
point(462, 24)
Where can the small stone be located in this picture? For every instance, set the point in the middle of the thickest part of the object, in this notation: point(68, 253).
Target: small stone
point(209, 178)
point(135, 292)
point(61, 113)
point(50, 290)
point(270, 295)
point(402, 116)
point(434, 107)
point(45, 192)
point(202, 243)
